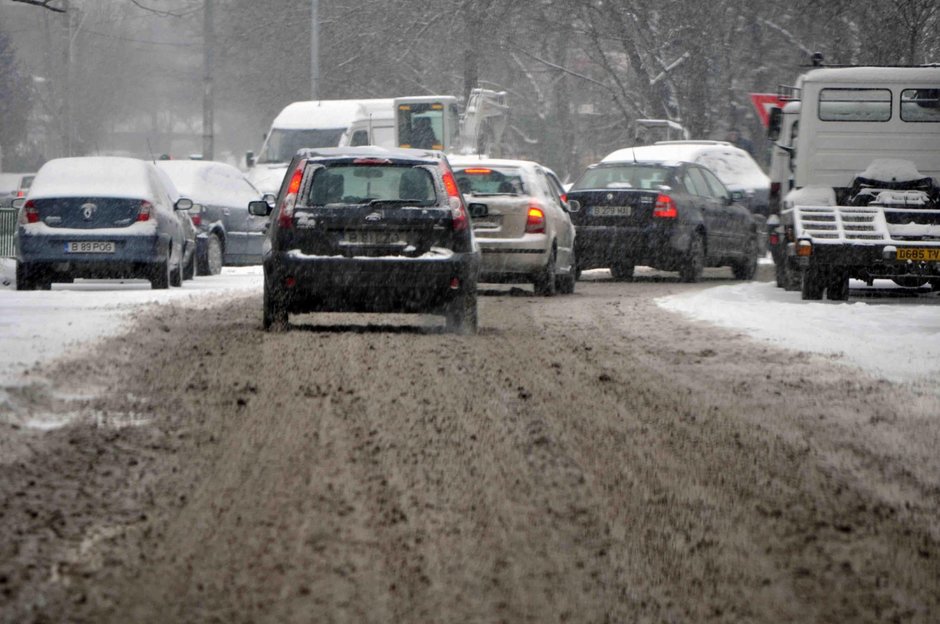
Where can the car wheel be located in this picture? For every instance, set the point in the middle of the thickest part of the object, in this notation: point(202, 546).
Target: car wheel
point(812, 285)
point(29, 278)
point(160, 274)
point(544, 282)
point(745, 268)
point(694, 262)
point(274, 316)
point(176, 274)
point(189, 270)
point(565, 284)
point(461, 315)
point(211, 263)
point(622, 271)
point(837, 287)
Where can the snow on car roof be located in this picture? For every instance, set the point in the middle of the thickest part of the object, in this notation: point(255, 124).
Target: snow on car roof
point(324, 114)
point(209, 182)
point(93, 176)
point(733, 166)
point(873, 75)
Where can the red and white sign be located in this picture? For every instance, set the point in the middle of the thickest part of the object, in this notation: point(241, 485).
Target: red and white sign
point(763, 102)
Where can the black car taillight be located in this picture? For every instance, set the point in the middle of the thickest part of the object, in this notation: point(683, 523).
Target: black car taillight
point(285, 216)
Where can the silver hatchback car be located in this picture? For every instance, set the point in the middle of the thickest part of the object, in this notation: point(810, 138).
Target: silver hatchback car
point(520, 222)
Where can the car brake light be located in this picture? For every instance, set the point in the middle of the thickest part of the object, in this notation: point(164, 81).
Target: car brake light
point(535, 221)
point(774, 238)
point(774, 189)
point(30, 213)
point(478, 171)
point(143, 213)
point(564, 197)
point(460, 218)
point(196, 219)
point(665, 208)
point(285, 217)
point(21, 193)
point(372, 161)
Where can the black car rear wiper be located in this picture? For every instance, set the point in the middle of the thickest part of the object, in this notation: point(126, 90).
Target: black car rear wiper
point(422, 203)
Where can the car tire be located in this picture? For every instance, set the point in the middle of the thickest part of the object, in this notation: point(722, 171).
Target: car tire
point(274, 313)
point(837, 286)
point(29, 278)
point(812, 285)
point(189, 270)
point(460, 316)
point(693, 264)
point(211, 263)
point(160, 274)
point(746, 268)
point(176, 274)
point(622, 271)
point(544, 282)
point(565, 284)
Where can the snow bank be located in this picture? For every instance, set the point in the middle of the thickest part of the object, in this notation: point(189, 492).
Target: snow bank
point(895, 338)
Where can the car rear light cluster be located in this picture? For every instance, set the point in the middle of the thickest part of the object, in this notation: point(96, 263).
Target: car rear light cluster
point(460, 218)
point(285, 216)
point(29, 213)
point(195, 214)
point(144, 211)
point(665, 207)
point(535, 221)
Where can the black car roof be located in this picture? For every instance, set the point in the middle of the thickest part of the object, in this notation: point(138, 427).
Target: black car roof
point(400, 155)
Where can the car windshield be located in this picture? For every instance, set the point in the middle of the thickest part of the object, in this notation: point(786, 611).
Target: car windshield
point(638, 176)
point(282, 145)
point(484, 180)
point(364, 184)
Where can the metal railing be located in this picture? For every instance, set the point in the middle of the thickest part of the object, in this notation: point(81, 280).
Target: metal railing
point(7, 232)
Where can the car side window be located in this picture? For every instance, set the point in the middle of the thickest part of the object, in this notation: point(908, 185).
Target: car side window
point(718, 190)
point(695, 183)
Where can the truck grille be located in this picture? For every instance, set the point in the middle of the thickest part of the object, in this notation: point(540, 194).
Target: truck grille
point(848, 224)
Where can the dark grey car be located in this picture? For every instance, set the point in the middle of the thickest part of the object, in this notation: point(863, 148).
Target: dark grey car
point(367, 229)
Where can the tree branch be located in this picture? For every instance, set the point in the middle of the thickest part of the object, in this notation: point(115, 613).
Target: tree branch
point(42, 3)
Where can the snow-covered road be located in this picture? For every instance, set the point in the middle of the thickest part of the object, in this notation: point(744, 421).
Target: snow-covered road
point(41, 325)
point(882, 330)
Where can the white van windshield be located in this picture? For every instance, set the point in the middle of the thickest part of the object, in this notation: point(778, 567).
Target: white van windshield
point(283, 144)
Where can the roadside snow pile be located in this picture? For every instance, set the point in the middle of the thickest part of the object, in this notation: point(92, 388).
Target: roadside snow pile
point(896, 338)
point(37, 326)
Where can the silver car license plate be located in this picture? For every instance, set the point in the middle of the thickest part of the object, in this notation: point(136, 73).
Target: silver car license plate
point(103, 247)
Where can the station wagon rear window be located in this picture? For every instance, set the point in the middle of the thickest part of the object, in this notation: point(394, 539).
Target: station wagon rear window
point(920, 105)
point(639, 176)
point(855, 105)
point(362, 184)
point(484, 180)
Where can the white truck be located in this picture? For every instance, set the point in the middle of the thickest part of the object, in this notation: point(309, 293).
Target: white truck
point(431, 122)
point(857, 164)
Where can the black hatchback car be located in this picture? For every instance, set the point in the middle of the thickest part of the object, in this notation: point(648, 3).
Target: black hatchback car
point(673, 216)
point(368, 229)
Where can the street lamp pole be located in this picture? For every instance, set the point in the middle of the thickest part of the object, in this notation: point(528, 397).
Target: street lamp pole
point(208, 42)
point(315, 49)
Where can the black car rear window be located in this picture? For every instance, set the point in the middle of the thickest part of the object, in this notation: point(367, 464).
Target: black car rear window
point(638, 176)
point(490, 181)
point(355, 184)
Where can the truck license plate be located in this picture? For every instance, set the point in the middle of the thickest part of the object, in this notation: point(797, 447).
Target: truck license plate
point(89, 247)
point(921, 254)
point(612, 211)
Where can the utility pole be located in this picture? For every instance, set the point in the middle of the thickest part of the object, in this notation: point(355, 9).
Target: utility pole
point(69, 58)
point(315, 49)
point(208, 44)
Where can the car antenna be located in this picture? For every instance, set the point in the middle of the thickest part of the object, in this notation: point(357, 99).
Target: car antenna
point(633, 151)
point(150, 149)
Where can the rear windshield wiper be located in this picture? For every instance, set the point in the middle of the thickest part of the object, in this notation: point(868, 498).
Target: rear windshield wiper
point(401, 202)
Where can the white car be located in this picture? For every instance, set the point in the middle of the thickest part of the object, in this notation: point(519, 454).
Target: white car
point(732, 165)
point(520, 222)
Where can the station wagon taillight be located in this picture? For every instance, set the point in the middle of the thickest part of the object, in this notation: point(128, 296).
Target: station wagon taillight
point(535, 220)
point(665, 207)
point(29, 213)
point(461, 220)
point(285, 216)
point(143, 213)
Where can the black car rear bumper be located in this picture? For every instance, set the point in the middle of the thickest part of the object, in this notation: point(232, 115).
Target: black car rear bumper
point(652, 245)
point(361, 284)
